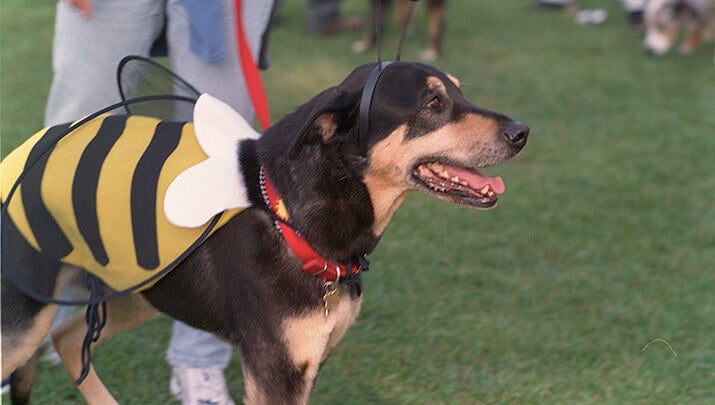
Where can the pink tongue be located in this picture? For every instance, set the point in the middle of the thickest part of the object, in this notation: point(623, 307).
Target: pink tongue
point(476, 180)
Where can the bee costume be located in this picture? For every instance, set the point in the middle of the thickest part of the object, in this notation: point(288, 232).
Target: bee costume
point(125, 196)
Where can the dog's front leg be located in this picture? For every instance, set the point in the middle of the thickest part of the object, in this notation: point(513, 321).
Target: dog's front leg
point(285, 371)
point(123, 314)
point(283, 367)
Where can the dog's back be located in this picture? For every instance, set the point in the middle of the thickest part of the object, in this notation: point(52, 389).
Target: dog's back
point(102, 188)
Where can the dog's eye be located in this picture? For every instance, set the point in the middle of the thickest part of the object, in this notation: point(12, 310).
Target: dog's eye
point(434, 103)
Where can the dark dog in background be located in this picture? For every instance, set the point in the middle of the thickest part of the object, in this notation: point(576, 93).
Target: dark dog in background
point(667, 20)
point(245, 283)
point(436, 10)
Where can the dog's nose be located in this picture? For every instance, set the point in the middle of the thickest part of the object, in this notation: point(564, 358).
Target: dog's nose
point(516, 133)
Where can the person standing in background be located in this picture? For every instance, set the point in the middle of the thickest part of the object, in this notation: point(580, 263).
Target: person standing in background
point(91, 37)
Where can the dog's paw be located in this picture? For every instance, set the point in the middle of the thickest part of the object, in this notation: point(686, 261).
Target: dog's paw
point(215, 184)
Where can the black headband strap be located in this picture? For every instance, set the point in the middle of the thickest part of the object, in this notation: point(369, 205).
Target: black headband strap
point(371, 84)
point(377, 21)
point(365, 102)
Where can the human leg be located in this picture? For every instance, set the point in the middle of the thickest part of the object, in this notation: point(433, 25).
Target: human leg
point(86, 53)
point(324, 18)
point(197, 357)
point(223, 79)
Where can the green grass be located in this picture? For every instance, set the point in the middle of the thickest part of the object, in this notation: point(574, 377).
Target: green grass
point(598, 260)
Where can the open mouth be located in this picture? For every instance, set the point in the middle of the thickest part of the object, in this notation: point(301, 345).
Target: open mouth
point(459, 185)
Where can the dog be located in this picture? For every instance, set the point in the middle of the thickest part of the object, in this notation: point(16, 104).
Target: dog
point(665, 20)
point(436, 9)
point(318, 175)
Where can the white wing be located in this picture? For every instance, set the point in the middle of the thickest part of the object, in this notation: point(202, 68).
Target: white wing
point(216, 184)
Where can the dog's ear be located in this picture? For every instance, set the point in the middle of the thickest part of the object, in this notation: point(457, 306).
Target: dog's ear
point(332, 110)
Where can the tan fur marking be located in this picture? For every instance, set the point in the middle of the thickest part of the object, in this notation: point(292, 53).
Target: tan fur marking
point(326, 125)
point(16, 350)
point(253, 395)
point(454, 80)
point(385, 178)
point(342, 318)
point(310, 338)
point(123, 314)
point(473, 141)
point(434, 82)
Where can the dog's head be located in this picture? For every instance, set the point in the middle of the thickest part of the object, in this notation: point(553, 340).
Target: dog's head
point(423, 135)
point(664, 20)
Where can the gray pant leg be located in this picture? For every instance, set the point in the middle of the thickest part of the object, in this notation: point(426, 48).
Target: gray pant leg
point(195, 348)
point(224, 80)
point(86, 53)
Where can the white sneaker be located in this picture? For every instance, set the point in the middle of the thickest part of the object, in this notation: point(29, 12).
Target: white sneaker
point(50, 355)
point(199, 386)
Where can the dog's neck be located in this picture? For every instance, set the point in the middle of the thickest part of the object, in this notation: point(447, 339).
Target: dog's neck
point(327, 203)
point(386, 203)
point(313, 262)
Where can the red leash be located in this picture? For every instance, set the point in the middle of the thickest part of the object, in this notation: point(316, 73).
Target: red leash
point(250, 72)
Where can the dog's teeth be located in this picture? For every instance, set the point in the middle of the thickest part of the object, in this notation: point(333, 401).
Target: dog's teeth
point(455, 179)
point(463, 182)
point(437, 167)
point(485, 189)
point(490, 194)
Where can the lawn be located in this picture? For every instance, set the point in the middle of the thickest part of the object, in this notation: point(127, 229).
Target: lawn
point(592, 282)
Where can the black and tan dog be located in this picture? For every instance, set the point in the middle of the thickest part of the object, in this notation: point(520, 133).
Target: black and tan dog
point(436, 15)
point(247, 283)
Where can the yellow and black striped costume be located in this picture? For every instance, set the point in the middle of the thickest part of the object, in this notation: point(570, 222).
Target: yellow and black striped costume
point(96, 198)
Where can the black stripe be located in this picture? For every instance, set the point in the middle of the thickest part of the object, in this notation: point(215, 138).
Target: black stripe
point(52, 241)
point(86, 180)
point(143, 194)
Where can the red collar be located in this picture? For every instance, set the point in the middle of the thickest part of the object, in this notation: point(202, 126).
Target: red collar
point(313, 262)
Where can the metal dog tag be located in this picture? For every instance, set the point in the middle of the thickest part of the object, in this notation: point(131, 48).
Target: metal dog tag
point(331, 299)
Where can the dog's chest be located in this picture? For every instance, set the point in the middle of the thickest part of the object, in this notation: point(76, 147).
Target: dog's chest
point(311, 336)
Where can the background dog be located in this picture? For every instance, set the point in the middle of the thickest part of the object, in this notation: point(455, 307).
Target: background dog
point(667, 20)
point(436, 10)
